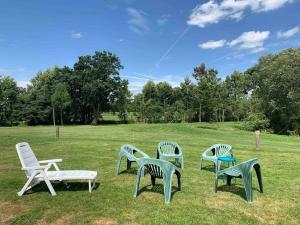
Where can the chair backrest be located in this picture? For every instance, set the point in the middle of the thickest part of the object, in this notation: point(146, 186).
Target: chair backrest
point(242, 167)
point(157, 167)
point(222, 149)
point(26, 156)
point(129, 151)
point(169, 147)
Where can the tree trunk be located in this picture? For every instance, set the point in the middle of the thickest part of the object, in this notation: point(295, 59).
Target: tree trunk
point(61, 118)
point(53, 116)
point(200, 113)
point(223, 115)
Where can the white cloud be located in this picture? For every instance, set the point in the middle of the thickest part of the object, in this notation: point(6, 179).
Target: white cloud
point(11, 72)
point(212, 44)
point(137, 21)
point(23, 83)
point(253, 40)
point(76, 35)
point(162, 20)
point(213, 12)
point(288, 33)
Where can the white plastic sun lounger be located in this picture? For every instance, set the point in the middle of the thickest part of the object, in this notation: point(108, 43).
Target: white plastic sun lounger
point(37, 171)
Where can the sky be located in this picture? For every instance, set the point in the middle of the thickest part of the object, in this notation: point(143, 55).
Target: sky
point(158, 40)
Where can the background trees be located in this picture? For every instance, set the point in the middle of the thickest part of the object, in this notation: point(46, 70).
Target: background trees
point(267, 95)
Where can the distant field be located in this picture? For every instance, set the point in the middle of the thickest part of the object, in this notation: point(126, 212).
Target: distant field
point(96, 148)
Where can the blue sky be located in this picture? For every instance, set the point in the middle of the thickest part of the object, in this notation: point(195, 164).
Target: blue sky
point(159, 40)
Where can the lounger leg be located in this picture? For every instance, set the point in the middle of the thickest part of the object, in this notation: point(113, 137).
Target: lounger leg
point(20, 193)
point(201, 164)
point(118, 165)
point(152, 181)
point(49, 185)
point(90, 186)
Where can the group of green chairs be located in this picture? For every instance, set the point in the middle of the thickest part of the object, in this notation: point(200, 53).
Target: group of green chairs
point(157, 168)
point(160, 168)
point(224, 153)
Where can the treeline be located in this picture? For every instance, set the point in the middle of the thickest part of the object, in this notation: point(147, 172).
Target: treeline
point(265, 96)
point(75, 95)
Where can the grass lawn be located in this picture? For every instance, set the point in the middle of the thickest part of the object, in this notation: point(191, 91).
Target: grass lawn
point(96, 148)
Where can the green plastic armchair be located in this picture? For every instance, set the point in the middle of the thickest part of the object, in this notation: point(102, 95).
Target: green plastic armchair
point(168, 149)
point(160, 169)
point(215, 151)
point(128, 152)
point(244, 171)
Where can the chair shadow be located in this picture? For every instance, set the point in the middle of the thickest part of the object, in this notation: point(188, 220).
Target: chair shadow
point(209, 168)
point(236, 189)
point(157, 188)
point(130, 171)
point(60, 186)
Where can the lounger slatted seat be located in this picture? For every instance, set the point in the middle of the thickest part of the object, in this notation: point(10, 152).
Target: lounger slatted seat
point(37, 171)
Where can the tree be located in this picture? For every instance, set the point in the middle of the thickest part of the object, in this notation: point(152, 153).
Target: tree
point(8, 100)
point(60, 100)
point(94, 80)
point(276, 84)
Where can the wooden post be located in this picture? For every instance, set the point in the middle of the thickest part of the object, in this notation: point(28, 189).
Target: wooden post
point(57, 131)
point(257, 141)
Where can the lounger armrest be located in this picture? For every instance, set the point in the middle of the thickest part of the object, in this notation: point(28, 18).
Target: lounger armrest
point(36, 167)
point(51, 161)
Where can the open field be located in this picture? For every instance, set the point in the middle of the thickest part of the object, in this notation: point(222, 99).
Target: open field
point(96, 148)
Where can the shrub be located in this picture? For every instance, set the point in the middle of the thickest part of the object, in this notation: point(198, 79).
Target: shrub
point(255, 121)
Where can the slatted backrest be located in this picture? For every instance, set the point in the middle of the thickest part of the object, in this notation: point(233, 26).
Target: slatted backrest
point(26, 156)
point(169, 148)
point(222, 149)
point(129, 151)
point(157, 167)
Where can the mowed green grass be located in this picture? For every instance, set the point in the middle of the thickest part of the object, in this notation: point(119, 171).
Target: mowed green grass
point(96, 148)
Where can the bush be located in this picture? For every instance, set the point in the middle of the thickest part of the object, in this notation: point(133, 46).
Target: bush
point(255, 121)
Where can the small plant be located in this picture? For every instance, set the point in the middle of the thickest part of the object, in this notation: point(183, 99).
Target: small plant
point(255, 121)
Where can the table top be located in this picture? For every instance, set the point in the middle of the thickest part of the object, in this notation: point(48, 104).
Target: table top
point(227, 159)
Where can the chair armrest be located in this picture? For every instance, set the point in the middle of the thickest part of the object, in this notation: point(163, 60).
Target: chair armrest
point(51, 161)
point(36, 167)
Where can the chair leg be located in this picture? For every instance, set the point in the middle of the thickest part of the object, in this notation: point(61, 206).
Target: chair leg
point(259, 177)
point(181, 162)
point(118, 165)
point(20, 193)
point(201, 164)
point(229, 180)
point(128, 164)
point(49, 185)
point(167, 188)
point(178, 180)
point(248, 186)
point(137, 185)
point(152, 181)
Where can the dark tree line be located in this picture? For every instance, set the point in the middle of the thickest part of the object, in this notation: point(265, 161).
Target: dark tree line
point(267, 95)
point(75, 95)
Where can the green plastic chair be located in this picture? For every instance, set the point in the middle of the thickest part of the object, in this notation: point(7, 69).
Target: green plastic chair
point(168, 149)
point(128, 151)
point(214, 152)
point(161, 169)
point(244, 171)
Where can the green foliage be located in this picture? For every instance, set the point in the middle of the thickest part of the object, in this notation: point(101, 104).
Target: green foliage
point(276, 84)
point(255, 121)
point(9, 101)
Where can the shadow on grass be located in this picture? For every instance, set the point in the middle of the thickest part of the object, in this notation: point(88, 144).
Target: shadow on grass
point(60, 186)
point(157, 188)
point(210, 168)
point(236, 189)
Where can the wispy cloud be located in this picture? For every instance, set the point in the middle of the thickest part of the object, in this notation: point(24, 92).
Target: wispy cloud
point(77, 35)
point(212, 44)
point(163, 19)
point(12, 71)
point(289, 33)
point(137, 21)
point(213, 12)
